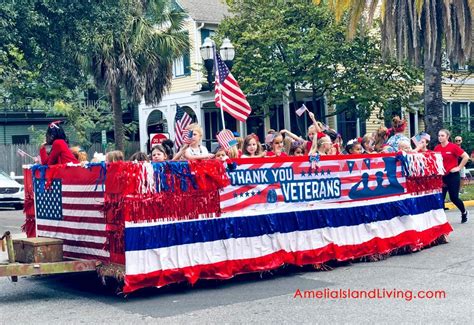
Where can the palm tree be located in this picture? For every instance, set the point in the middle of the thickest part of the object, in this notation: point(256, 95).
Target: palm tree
point(138, 56)
point(414, 30)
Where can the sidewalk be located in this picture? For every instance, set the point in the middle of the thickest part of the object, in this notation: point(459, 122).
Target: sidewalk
point(467, 204)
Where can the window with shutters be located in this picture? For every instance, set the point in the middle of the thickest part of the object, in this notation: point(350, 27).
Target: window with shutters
point(182, 66)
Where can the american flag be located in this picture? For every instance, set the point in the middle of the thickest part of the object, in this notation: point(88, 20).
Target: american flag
point(70, 208)
point(181, 121)
point(300, 111)
point(228, 92)
point(226, 139)
point(187, 135)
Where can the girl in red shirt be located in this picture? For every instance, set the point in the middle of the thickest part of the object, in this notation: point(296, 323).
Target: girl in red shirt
point(452, 178)
point(276, 146)
point(60, 153)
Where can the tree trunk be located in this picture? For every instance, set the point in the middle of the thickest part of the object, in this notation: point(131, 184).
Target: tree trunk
point(114, 92)
point(433, 95)
point(295, 107)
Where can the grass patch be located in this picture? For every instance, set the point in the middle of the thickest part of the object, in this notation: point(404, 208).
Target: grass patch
point(467, 192)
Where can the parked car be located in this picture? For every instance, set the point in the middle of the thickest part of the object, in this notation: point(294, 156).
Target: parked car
point(11, 192)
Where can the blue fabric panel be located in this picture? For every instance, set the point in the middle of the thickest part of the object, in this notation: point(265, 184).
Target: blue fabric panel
point(180, 233)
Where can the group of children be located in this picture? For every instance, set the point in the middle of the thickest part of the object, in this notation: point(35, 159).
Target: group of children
point(322, 141)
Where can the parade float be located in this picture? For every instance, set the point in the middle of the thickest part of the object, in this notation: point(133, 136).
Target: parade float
point(153, 224)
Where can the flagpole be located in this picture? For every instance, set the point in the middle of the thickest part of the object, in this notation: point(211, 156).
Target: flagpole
point(222, 111)
point(218, 83)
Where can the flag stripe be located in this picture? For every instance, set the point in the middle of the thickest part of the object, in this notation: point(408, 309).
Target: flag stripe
point(86, 251)
point(71, 231)
point(83, 213)
point(75, 224)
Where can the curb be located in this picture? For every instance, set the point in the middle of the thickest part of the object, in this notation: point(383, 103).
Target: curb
point(451, 205)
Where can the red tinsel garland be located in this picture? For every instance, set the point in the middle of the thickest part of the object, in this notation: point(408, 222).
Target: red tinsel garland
point(131, 197)
point(29, 227)
point(420, 185)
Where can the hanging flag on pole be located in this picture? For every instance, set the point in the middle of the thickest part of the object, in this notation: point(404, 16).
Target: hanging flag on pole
point(228, 95)
point(181, 121)
point(226, 139)
point(300, 111)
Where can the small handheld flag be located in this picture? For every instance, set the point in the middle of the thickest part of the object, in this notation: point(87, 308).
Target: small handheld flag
point(226, 139)
point(422, 135)
point(24, 154)
point(300, 111)
point(187, 136)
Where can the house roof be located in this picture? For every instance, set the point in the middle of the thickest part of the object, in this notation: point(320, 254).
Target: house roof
point(205, 11)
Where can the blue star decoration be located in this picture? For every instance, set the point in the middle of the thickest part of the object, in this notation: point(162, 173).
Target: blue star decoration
point(247, 194)
point(309, 172)
point(328, 172)
point(303, 174)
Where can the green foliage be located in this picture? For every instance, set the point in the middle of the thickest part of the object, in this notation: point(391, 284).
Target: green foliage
point(39, 41)
point(137, 55)
point(48, 50)
point(296, 43)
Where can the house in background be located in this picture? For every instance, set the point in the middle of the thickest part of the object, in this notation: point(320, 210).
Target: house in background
point(15, 127)
point(188, 92)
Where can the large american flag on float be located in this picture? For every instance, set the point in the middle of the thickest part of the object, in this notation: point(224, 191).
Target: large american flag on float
point(70, 207)
point(228, 95)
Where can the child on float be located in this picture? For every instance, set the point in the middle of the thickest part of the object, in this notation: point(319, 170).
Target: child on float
point(368, 143)
point(159, 153)
point(233, 152)
point(220, 154)
point(322, 146)
point(314, 129)
point(252, 147)
point(114, 156)
point(404, 146)
point(398, 127)
point(139, 156)
point(297, 149)
point(195, 150)
point(80, 154)
point(380, 140)
point(422, 145)
point(276, 146)
point(353, 147)
point(60, 152)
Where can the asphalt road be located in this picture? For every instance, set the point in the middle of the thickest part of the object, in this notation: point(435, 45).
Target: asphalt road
point(262, 298)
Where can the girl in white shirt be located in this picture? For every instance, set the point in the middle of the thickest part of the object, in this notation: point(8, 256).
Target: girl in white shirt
point(195, 150)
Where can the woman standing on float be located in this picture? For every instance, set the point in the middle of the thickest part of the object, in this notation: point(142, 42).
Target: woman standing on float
point(59, 153)
point(452, 178)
